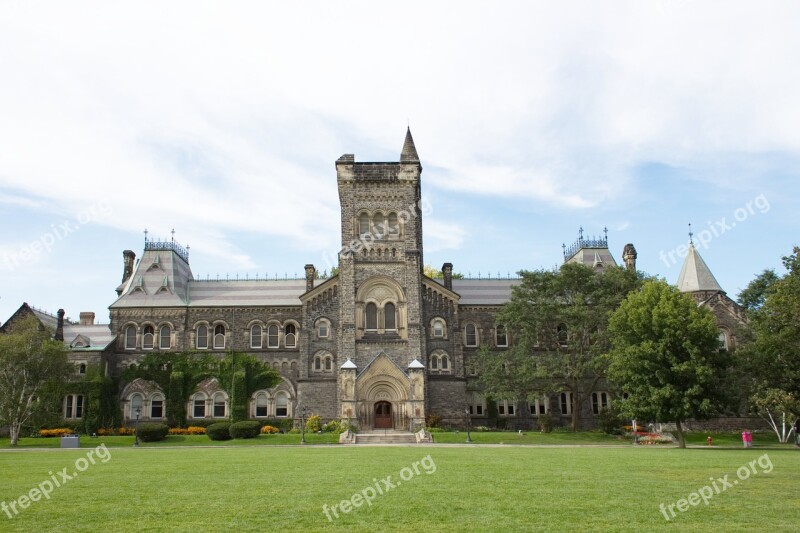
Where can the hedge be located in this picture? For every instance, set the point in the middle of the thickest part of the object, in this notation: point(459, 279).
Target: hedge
point(219, 431)
point(152, 432)
point(247, 429)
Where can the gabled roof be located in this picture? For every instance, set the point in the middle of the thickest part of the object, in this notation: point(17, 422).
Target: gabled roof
point(46, 319)
point(484, 291)
point(695, 274)
point(94, 337)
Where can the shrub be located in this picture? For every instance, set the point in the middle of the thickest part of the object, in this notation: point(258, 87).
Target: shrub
point(57, 432)
point(266, 430)
point(203, 422)
point(432, 420)
point(313, 423)
point(610, 421)
point(196, 430)
point(284, 425)
point(246, 429)
point(546, 423)
point(219, 431)
point(152, 432)
point(334, 426)
point(126, 431)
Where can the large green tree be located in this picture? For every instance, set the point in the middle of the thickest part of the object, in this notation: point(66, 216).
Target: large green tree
point(31, 362)
point(558, 321)
point(666, 358)
point(771, 360)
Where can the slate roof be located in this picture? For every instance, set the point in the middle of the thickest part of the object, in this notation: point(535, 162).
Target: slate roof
point(695, 274)
point(99, 336)
point(484, 291)
point(409, 153)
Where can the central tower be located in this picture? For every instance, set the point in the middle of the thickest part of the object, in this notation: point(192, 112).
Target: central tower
point(380, 269)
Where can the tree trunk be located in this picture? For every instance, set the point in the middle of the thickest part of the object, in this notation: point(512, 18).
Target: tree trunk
point(681, 440)
point(13, 430)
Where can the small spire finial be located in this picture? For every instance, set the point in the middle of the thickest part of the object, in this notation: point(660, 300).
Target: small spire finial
point(564, 249)
point(605, 232)
point(690, 234)
point(173, 234)
point(580, 233)
point(145, 235)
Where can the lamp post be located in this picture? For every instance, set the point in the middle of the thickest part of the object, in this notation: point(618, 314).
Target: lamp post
point(469, 421)
point(303, 425)
point(136, 438)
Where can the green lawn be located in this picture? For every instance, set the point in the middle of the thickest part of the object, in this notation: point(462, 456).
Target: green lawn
point(267, 488)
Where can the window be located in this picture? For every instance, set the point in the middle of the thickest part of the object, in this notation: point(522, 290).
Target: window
point(272, 336)
point(372, 317)
point(202, 337)
point(539, 407)
point(363, 224)
point(476, 404)
point(199, 406)
point(219, 337)
point(563, 335)
point(437, 330)
point(379, 226)
point(599, 402)
point(136, 406)
point(157, 407)
point(130, 338)
point(505, 408)
point(255, 336)
point(73, 406)
point(471, 335)
point(390, 316)
point(722, 340)
point(164, 338)
point(440, 361)
point(318, 363)
point(219, 405)
point(329, 363)
point(566, 403)
point(501, 337)
point(323, 362)
point(394, 227)
point(281, 405)
point(323, 329)
point(290, 336)
point(148, 338)
point(262, 404)
point(82, 368)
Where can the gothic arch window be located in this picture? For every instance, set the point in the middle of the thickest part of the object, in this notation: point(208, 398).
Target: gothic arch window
point(470, 335)
point(722, 340)
point(272, 336)
point(130, 338)
point(255, 336)
point(290, 336)
point(148, 337)
point(371, 317)
point(202, 337)
point(164, 341)
point(219, 337)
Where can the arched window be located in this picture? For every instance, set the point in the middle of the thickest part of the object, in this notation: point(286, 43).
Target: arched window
point(437, 330)
point(255, 336)
point(130, 338)
point(157, 406)
point(722, 340)
point(434, 362)
point(599, 402)
point(440, 362)
point(445, 363)
point(323, 328)
point(566, 403)
point(501, 337)
point(563, 335)
point(372, 317)
point(272, 336)
point(390, 316)
point(329, 363)
point(262, 404)
point(136, 406)
point(199, 405)
point(379, 226)
point(471, 334)
point(363, 224)
point(219, 336)
point(220, 405)
point(394, 227)
point(82, 368)
point(164, 341)
point(202, 337)
point(290, 336)
point(147, 338)
point(318, 363)
point(281, 405)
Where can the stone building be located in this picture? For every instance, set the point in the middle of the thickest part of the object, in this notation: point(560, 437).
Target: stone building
point(379, 343)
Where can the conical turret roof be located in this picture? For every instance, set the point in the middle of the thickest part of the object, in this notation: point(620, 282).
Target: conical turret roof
point(409, 153)
point(695, 274)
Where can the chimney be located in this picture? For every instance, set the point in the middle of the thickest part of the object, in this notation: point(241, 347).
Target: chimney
point(629, 257)
point(447, 271)
point(310, 272)
point(127, 271)
point(86, 318)
point(60, 326)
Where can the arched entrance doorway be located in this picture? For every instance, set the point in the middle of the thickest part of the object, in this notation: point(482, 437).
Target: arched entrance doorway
point(383, 415)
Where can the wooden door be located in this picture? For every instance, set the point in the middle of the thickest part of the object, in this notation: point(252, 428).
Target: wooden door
point(383, 415)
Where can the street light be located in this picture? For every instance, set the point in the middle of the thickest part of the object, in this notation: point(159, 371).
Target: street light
point(303, 425)
point(469, 440)
point(136, 438)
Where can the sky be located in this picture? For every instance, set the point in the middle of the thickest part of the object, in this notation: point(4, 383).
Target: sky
point(531, 120)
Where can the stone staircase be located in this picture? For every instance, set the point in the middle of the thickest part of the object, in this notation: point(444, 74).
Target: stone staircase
point(386, 437)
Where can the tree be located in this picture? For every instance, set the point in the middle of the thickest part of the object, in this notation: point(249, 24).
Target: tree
point(558, 322)
point(666, 358)
point(434, 273)
point(30, 362)
point(755, 294)
point(771, 360)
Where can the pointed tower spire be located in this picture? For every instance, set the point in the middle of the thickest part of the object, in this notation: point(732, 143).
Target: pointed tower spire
point(409, 153)
point(695, 275)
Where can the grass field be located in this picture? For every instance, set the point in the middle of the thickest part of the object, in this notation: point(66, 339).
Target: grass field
point(513, 488)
